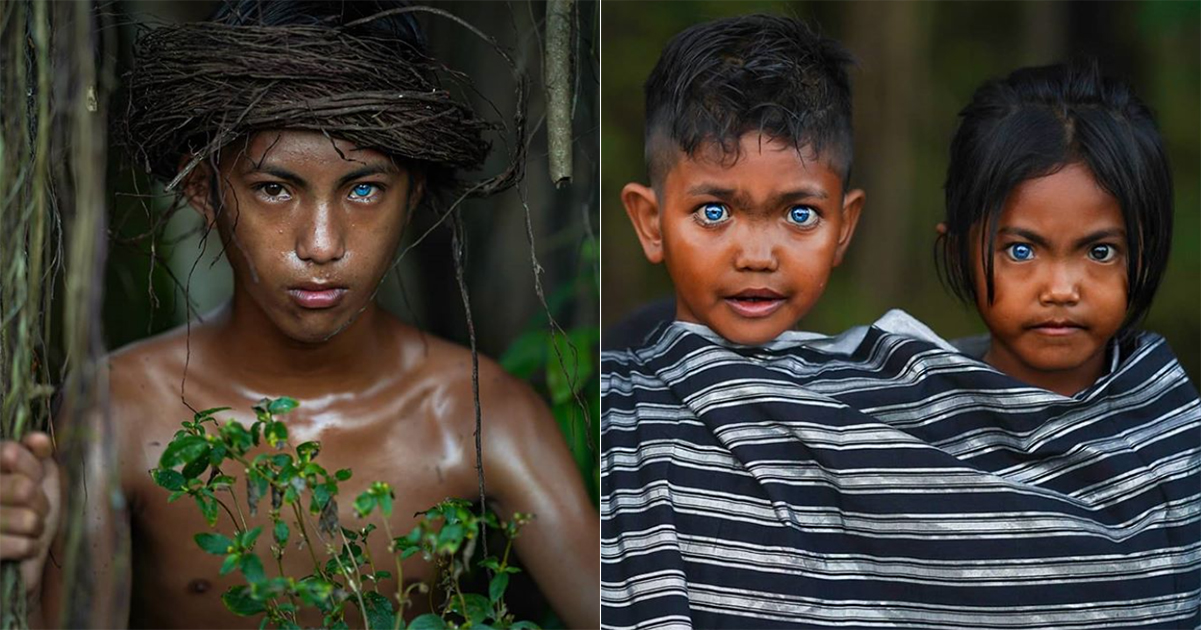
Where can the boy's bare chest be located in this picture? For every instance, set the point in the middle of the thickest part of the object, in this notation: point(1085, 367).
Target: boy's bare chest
point(396, 437)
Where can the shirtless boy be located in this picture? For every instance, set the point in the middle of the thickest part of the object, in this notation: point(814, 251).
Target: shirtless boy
point(310, 225)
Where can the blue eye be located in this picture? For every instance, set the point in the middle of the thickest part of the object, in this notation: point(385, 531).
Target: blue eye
point(712, 213)
point(1020, 251)
point(362, 191)
point(803, 216)
point(1102, 253)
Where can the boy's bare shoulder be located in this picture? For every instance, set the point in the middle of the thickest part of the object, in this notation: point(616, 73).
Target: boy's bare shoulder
point(507, 403)
point(146, 374)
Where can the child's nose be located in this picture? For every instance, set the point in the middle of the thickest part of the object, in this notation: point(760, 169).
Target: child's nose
point(322, 237)
point(1062, 286)
point(757, 252)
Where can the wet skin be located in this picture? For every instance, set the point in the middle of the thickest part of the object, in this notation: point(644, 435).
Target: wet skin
point(382, 398)
point(749, 240)
point(1059, 268)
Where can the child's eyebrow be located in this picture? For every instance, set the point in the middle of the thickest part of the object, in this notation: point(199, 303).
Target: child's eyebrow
point(276, 171)
point(1100, 234)
point(741, 199)
point(1033, 237)
point(370, 169)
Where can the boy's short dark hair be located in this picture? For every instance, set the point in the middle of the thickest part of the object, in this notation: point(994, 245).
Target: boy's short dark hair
point(1033, 123)
point(716, 81)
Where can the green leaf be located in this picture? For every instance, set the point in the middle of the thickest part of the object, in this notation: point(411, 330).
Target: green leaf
point(308, 450)
point(385, 503)
point(276, 434)
point(240, 602)
point(342, 474)
point(428, 621)
point(208, 507)
point(478, 608)
point(364, 504)
point(281, 532)
point(208, 413)
point(379, 611)
point(217, 455)
point(252, 568)
point(524, 625)
point(247, 538)
point(215, 544)
point(221, 481)
point(280, 406)
point(167, 478)
point(195, 468)
point(321, 496)
point(183, 450)
point(496, 587)
point(231, 563)
point(451, 537)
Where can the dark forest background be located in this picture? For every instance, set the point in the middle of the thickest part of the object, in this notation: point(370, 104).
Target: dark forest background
point(918, 64)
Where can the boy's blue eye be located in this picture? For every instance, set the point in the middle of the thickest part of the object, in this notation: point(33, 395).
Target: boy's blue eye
point(1020, 251)
point(713, 213)
point(803, 216)
point(1102, 253)
point(362, 191)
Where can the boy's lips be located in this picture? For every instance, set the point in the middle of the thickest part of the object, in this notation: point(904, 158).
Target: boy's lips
point(755, 303)
point(1056, 327)
point(316, 296)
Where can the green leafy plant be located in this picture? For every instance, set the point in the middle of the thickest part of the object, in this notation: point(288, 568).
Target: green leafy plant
point(345, 573)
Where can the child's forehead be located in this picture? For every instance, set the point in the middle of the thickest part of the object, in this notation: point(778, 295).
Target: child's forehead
point(756, 161)
point(297, 147)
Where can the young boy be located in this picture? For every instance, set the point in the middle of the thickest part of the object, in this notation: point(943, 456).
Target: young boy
point(311, 222)
point(754, 476)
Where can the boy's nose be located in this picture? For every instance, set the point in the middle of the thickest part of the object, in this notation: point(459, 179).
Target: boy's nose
point(322, 238)
point(757, 252)
point(1062, 286)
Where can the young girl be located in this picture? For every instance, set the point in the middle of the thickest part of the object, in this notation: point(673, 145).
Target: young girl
point(1059, 221)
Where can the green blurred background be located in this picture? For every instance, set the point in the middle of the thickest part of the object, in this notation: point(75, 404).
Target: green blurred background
point(918, 64)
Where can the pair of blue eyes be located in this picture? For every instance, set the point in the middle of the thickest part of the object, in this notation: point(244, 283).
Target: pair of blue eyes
point(1022, 252)
point(712, 213)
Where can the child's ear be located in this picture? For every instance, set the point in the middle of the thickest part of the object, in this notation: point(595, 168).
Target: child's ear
point(416, 189)
point(852, 204)
point(196, 189)
point(643, 207)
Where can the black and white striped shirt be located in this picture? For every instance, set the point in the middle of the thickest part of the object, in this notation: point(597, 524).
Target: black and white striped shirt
point(877, 479)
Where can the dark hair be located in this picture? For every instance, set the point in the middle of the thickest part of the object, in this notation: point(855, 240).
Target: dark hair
point(716, 81)
point(1032, 124)
point(400, 28)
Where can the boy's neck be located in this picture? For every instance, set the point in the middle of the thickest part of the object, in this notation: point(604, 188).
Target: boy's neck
point(262, 357)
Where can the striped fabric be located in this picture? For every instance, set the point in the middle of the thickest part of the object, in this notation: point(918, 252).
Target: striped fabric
point(742, 489)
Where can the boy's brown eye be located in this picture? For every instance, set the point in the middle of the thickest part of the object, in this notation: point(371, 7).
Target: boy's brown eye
point(272, 189)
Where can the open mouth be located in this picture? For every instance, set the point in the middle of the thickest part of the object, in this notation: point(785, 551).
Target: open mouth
point(755, 303)
point(311, 296)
